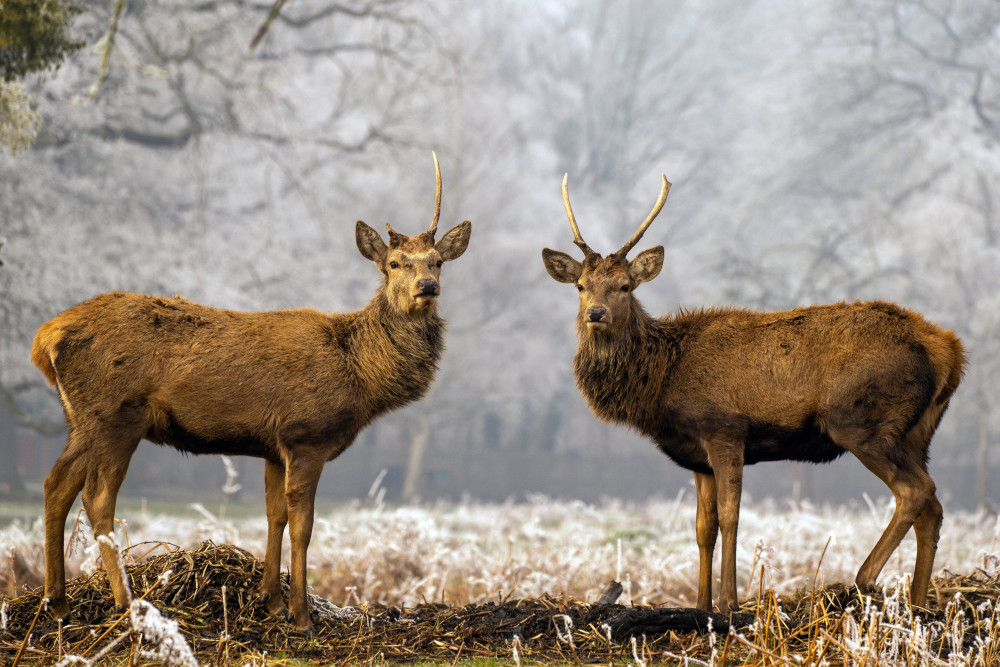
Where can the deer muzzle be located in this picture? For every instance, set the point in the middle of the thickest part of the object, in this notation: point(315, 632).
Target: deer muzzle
point(597, 317)
point(427, 287)
point(427, 291)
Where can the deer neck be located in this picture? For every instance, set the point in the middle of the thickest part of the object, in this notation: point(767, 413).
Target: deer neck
point(624, 376)
point(397, 353)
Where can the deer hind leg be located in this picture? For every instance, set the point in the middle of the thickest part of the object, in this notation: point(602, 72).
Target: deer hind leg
point(62, 485)
point(727, 463)
point(706, 531)
point(277, 519)
point(105, 475)
point(927, 525)
point(302, 473)
point(917, 506)
point(928, 530)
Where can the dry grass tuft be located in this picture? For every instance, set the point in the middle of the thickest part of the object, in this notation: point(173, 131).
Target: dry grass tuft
point(210, 594)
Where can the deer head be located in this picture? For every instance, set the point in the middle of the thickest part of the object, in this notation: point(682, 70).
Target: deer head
point(606, 284)
point(411, 265)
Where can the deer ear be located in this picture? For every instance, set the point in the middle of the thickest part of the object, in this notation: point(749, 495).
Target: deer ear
point(646, 265)
point(561, 266)
point(453, 244)
point(370, 244)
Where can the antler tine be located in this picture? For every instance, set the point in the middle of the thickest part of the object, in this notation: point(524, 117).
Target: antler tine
point(437, 196)
point(664, 191)
point(577, 239)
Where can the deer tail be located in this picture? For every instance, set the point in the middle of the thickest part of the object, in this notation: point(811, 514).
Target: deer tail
point(43, 349)
point(956, 369)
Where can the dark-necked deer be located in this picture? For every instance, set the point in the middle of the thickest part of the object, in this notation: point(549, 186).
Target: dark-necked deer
point(718, 389)
point(293, 387)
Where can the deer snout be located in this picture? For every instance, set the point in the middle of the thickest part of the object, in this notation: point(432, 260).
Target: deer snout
point(427, 287)
point(597, 314)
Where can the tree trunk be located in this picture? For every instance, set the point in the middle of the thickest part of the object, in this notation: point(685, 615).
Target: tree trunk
point(983, 460)
point(414, 465)
point(11, 480)
point(800, 482)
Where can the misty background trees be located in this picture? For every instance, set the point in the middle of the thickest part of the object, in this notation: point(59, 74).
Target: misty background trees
point(845, 149)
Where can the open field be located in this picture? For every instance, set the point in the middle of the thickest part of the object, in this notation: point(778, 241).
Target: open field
point(405, 569)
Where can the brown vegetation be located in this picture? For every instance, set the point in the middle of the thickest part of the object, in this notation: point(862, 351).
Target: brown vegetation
point(209, 594)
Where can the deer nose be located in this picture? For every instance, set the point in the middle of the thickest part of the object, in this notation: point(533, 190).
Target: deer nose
point(596, 314)
point(427, 286)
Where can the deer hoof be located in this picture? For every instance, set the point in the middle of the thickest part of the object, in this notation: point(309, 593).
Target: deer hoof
point(64, 618)
point(865, 588)
point(59, 610)
point(274, 605)
point(305, 628)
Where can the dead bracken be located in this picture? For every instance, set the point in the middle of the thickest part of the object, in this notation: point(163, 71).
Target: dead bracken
point(211, 594)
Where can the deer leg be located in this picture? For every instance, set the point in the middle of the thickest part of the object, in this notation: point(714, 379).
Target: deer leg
point(706, 532)
point(727, 463)
point(928, 524)
point(913, 489)
point(277, 519)
point(302, 474)
point(928, 530)
point(62, 485)
point(100, 494)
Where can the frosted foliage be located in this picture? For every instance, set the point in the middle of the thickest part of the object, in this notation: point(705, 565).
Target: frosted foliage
point(837, 151)
point(19, 121)
point(171, 648)
point(163, 633)
point(465, 552)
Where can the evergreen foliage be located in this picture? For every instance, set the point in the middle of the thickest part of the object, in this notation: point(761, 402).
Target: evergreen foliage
point(34, 36)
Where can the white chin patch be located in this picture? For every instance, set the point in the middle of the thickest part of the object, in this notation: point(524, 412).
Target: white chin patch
point(597, 326)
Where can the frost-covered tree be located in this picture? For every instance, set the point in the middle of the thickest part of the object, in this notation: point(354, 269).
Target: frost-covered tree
point(207, 170)
point(34, 37)
point(841, 149)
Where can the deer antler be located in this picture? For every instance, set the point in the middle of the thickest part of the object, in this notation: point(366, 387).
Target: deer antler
point(437, 197)
point(665, 190)
point(395, 238)
point(577, 239)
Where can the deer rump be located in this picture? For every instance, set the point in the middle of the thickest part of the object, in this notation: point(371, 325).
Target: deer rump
point(212, 381)
point(788, 385)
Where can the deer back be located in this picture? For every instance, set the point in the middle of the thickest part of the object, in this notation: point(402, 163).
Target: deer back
point(219, 381)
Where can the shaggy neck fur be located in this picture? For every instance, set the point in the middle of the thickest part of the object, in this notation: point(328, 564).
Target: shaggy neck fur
point(624, 373)
point(396, 353)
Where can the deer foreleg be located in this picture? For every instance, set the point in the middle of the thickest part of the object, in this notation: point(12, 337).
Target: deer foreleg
point(727, 463)
point(277, 519)
point(707, 531)
point(302, 474)
point(62, 485)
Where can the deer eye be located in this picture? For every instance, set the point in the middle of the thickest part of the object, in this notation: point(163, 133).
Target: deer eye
point(394, 265)
point(579, 287)
point(439, 263)
point(625, 288)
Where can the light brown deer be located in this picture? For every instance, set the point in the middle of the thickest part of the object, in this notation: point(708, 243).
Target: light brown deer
point(720, 388)
point(292, 387)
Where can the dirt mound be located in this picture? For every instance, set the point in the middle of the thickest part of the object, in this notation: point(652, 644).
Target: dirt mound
point(211, 594)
